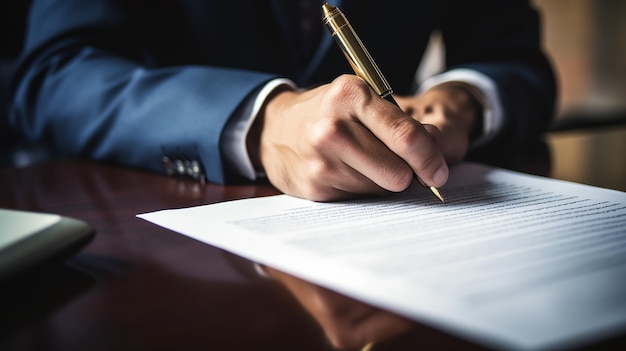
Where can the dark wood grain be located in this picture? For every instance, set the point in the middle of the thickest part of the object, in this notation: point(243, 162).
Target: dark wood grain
point(137, 286)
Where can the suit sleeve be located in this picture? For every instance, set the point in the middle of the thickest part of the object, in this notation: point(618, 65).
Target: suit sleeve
point(89, 89)
point(501, 39)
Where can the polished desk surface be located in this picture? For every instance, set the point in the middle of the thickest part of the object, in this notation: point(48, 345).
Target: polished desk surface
point(137, 286)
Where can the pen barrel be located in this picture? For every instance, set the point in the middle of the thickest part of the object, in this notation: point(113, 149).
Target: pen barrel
point(354, 50)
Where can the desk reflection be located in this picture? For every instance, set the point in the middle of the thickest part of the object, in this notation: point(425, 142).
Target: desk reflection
point(138, 286)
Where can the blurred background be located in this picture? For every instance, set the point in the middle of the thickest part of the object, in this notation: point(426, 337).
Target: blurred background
point(585, 39)
point(586, 42)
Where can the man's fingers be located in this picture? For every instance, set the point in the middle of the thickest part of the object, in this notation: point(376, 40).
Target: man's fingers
point(398, 131)
point(374, 160)
point(355, 162)
point(341, 139)
point(407, 138)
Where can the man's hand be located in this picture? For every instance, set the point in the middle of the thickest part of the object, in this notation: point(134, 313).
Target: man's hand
point(341, 139)
point(452, 110)
point(348, 324)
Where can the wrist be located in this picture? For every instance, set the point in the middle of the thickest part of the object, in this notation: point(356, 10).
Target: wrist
point(253, 141)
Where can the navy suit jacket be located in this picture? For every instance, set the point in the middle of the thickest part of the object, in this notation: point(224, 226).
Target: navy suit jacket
point(134, 80)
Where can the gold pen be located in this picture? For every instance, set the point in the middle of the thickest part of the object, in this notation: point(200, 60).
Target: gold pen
point(359, 58)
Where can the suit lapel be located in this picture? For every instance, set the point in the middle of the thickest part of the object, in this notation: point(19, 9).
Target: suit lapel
point(286, 18)
point(325, 43)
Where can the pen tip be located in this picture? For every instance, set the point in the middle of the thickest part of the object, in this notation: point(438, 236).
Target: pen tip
point(437, 193)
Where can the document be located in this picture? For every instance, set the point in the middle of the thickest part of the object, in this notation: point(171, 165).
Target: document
point(512, 261)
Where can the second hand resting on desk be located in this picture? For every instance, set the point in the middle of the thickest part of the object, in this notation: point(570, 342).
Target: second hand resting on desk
point(359, 58)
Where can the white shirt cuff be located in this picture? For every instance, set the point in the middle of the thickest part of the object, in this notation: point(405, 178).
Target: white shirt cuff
point(493, 116)
point(235, 133)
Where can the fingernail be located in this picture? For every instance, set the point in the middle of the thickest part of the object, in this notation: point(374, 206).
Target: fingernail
point(441, 175)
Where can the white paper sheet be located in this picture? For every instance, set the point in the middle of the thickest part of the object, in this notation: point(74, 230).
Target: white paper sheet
point(510, 260)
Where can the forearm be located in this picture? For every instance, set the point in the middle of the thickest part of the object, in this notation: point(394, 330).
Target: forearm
point(101, 106)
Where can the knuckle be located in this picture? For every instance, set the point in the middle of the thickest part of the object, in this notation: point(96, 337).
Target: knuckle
point(326, 132)
point(319, 169)
point(400, 180)
point(316, 188)
point(428, 158)
point(409, 139)
point(341, 341)
point(348, 88)
point(405, 134)
point(311, 191)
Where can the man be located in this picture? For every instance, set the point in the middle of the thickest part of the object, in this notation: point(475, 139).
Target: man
point(225, 90)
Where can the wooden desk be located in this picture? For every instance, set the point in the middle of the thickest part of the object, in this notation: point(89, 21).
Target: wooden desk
point(139, 287)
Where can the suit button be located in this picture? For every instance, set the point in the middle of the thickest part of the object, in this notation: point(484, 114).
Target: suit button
point(180, 166)
point(168, 165)
point(194, 169)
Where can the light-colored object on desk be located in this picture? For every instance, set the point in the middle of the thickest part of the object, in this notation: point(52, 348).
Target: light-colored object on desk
point(28, 239)
point(511, 260)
